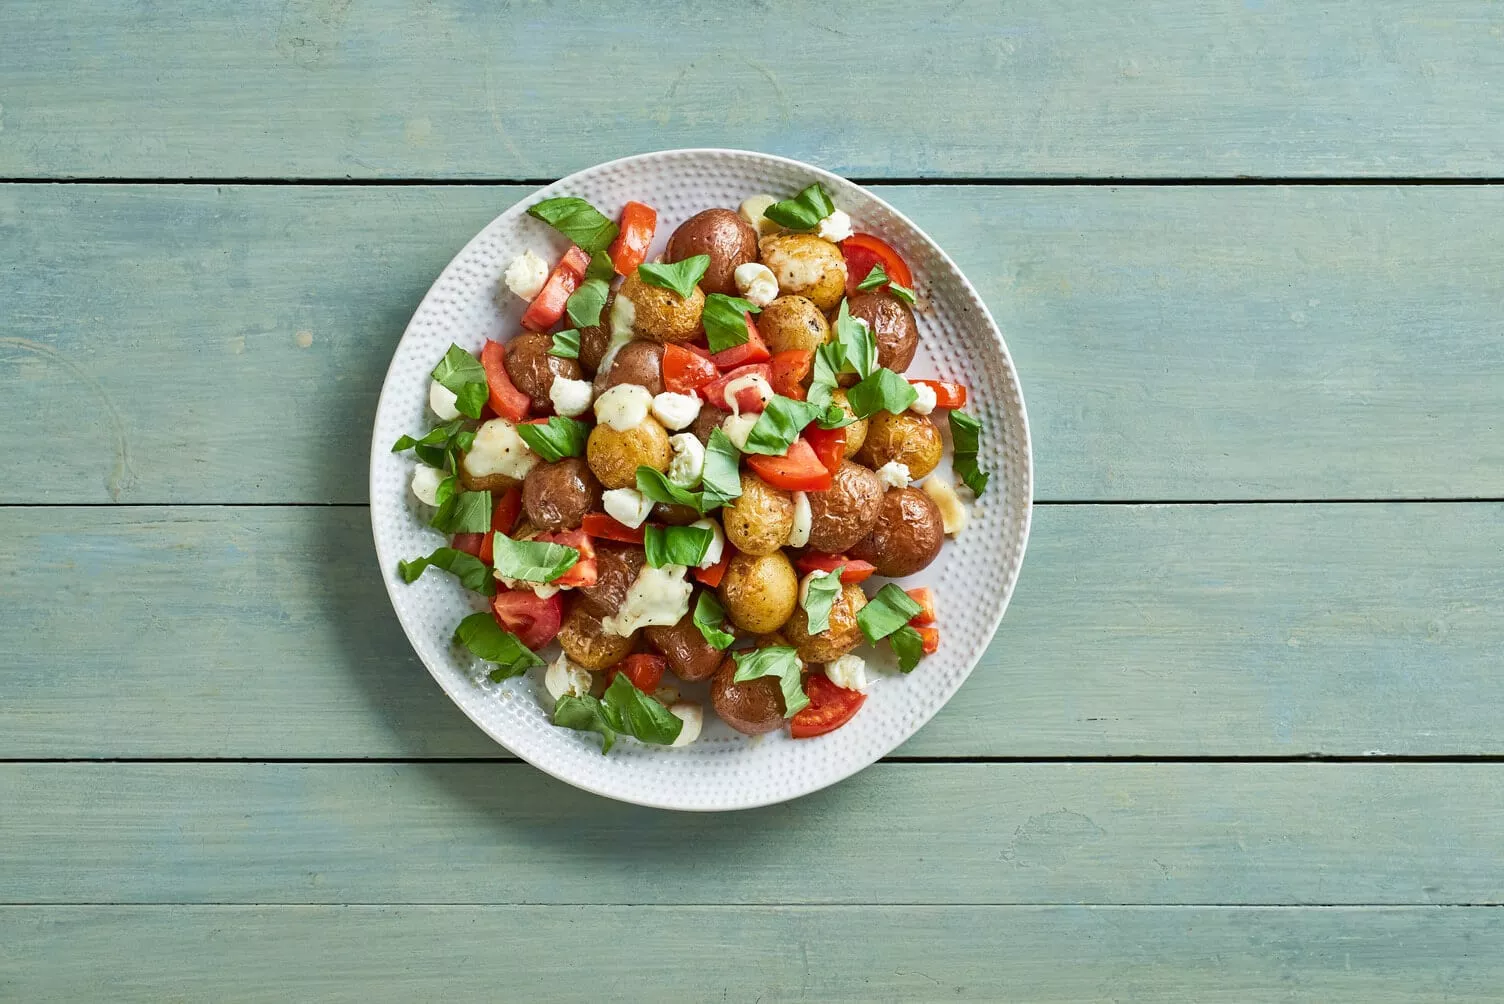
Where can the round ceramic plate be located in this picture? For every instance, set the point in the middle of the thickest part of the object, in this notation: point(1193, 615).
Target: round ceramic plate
point(972, 578)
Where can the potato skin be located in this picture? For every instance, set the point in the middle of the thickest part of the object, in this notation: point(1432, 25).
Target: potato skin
point(892, 324)
point(793, 322)
point(595, 339)
point(709, 419)
point(486, 482)
point(722, 234)
point(808, 266)
point(584, 641)
point(615, 456)
point(907, 535)
point(843, 635)
point(760, 520)
point(908, 438)
point(636, 362)
point(532, 369)
point(846, 512)
point(661, 314)
point(689, 655)
point(751, 708)
point(856, 432)
point(671, 514)
point(557, 496)
point(617, 569)
point(759, 592)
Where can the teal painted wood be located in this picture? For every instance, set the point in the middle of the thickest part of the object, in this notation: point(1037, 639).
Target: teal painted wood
point(1187, 833)
point(910, 953)
point(459, 89)
point(228, 344)
point(1136, 631)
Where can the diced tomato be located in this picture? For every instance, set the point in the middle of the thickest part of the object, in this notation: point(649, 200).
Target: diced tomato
point(829, 445)
point(830, 707)
point(855, 570)
point(470, 543)
point(789, 370)
point(712, 576)
point(548, 306)
point(748, 400)
point(630, 248)
point(643, 670)
point(534, 620)
point(929, 640)
point(684, 369)
point(947, 394)
point(503, 518)
point(753, 350)
point(799, 470)
point(925, 597)
point(699, 348)
point(604, 527)
point(583, 572)
point(506, 400)
point(862, 251)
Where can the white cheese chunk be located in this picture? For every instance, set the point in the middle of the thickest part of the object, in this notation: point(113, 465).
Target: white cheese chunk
point(756, 282)
point(737, 428)
point(526, 275)
point(426, 484)
point(688, 463)
point(835, 227)
point(925, 402)
point(657, 598)
point(676, 411)
point(499, 450)
point(441, 401)
point(849, 671)
point(799, 532)
point(752, 209)
point(623, 316)
point(953, 512)
point(693, 717)
point(571, 397)
point(717, 546)
point(564, 677)
point(894, 474)
point(627, 506)
point(624, 406)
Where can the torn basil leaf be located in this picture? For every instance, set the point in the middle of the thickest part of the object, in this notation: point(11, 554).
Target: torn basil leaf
point(804, 211)
point(858, 346)
point(884, 390)
point(463, 512)
point(555, 439)
point(904, 293)
point(781, 422)
point(586, 303)
point(576, 219)
point(622, 709)
point(886, 612)
point(721, 479)
point(725, 320)
point(819, 596)
point(486, 639)
point(779, 661)
point(473, 573)
point(679, 276)
point(462, 374)
point(908, 646)
point(531, 560)
point(566, 344)
point(676, 545)
point(966, 435)
point(652, 483)
point(585, 714)
point(875, 278)
point(441, 446)
point(710, 618)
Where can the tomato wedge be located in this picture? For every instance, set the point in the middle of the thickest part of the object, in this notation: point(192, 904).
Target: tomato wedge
point(643, 670)
point(506, 400)
point(748, 399)
point(799, 470)
point(713, 575)
point(503, 518)
point(685, 370)
point(947, 394)
point(925, 597)
point(470, 543)
point(929, 640)
point(548, 306)
point(753, 350)
point(856, 569)
point(585, 571)
point(862, 251)
point(789, 370)
point(604, 527)
point(534, 620)
point(630, 248)
point(829, 445)
point(830, 707)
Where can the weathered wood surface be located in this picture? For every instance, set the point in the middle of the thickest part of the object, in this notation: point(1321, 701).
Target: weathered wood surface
point(457, 89)
point(704, 953)
point(228, 344)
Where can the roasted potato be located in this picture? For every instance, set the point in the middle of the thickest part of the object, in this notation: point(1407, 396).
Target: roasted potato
point(751, 708)
point(557, 496)
point(636, 362)
point(806, 265)
point(841, 637)
point(498, 459)
point(689, 655)
point(532, 370)
point(760, 591)
point(709, 419)
point(846, 512)
point(907, 535)
point(661, 314)
point(910, 439)
point(760, 520)
point(892, 324)
point(584, 641)
point(856, 432)
point(615, 456)
point(671, 514)
point(616, 569)
point(596, 339)
point(793, 322)
point(723, 235)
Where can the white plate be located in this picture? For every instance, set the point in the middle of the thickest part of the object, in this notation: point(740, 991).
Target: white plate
point(972, 578)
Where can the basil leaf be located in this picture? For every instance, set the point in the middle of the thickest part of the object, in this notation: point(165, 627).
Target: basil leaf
point(652, 483)
point(586, 303)
point(576, 219)
point(566, 344)
point(781, 422)
point(886, 612)
point(600, 267)
point(904, 293)
point(884, 390)
point(440, 447)
point(560, 437)
point(827, 364)
point(531, 560)
point(463, 374)
point(908, 646)
point(966, 434)
point(485, 638)
point(679, 276)
point(710, 618)
point(819, 596)
point(721, 479)
point(779, 661)
point(676, 545)
point(473, 573)
point(875, 278)
point(638, 715)
point(446, 490)
point(725, 320)
point(586, 714)
point(804, 211)
point(858, 346)
point(463, 512)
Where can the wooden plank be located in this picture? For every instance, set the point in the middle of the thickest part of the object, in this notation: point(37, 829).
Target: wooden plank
point(380, 89)
point(1143, 631)
point(1308, 833)
point(910, 953)
point(228, 344)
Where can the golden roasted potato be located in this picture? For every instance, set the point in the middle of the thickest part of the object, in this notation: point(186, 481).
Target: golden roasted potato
point(615, 456)
point(760, 520)
point(856, 432)
point(793, 322)
point(759, 591)
point(808, 266)
point(841, 637)
point(910, 439)
point(584, 640)
point(661, 314)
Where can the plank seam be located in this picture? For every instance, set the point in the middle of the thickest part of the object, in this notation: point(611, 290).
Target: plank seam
point(722, 905)
point(1295, 758)
point(972, 182)
point(1404, 500)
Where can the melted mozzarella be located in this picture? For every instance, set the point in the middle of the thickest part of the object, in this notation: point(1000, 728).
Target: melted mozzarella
point(623, 316)
point(799, 532)
point(441, 401)
point(499, 450)
point(835, 227)
point(689, 460)
point(571, 397)
point(953, 512)
point(894, 474)
point(752, 381)
point(925, 402)
point(737, 428)
point(426, 484)
point(659, 597)
point(752, 209)
point(627, 506)
point(624, 406)
point(564, 677)
point(526, 275)
point(756, 282)
point(849, 671)
point(676, 411)
point(693, 717)
point(717, 542)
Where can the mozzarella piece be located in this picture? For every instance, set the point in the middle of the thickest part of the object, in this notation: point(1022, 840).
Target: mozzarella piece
point(676, 411)
point(752, 381)
point(426, 484)
point(835, 227)
point(799, 532)
point(571, 397)
point(756, 282)
point(564, 677)
point(526, 275)
point(627, 506)
point(894, 474)
point(623, 316)
point(441, 401)
point(737, 428)
point(658, 597)
point(717, 542)
point(953, 512)
point(689, 460)
point(925, 402)
point(693, 717)
point(752, 209)
point(666, 695)
point(624, 406)
point(499, 450)
point(849, 671)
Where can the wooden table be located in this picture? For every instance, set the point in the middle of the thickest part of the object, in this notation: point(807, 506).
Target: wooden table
point(1238, 738)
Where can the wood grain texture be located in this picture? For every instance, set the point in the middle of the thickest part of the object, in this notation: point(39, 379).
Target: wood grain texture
point(459, 89)
point(1036, 954)
point(1174, 343)
point(1195, 834)
point(1136, 631)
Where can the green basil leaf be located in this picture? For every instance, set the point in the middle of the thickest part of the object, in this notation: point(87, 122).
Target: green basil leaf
point(884, 390)
point(441, 446)
point(652, 483)
point(463, 512)
point(721, 479)
point(966, 435)
point(485, 638)
point(781, 422)
point(676, 545)
point(566, 344)
point(679, 276)
point(904, 293)
point(586, 303)
point(640, 716)
point(858, 346)
point(463, 374)
point(600, 267)
point(886, 612)
point(586, 714)
point(473, 573)
point(829, 358)
point(531, 560)
point(875, 278)
point(804, 211)
point(446, 490)
point(560, 437)
point(725, 320)
point(779, 661)
point(908, 646)
point(819, 596)
point(576, 219)
point(710, 618)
